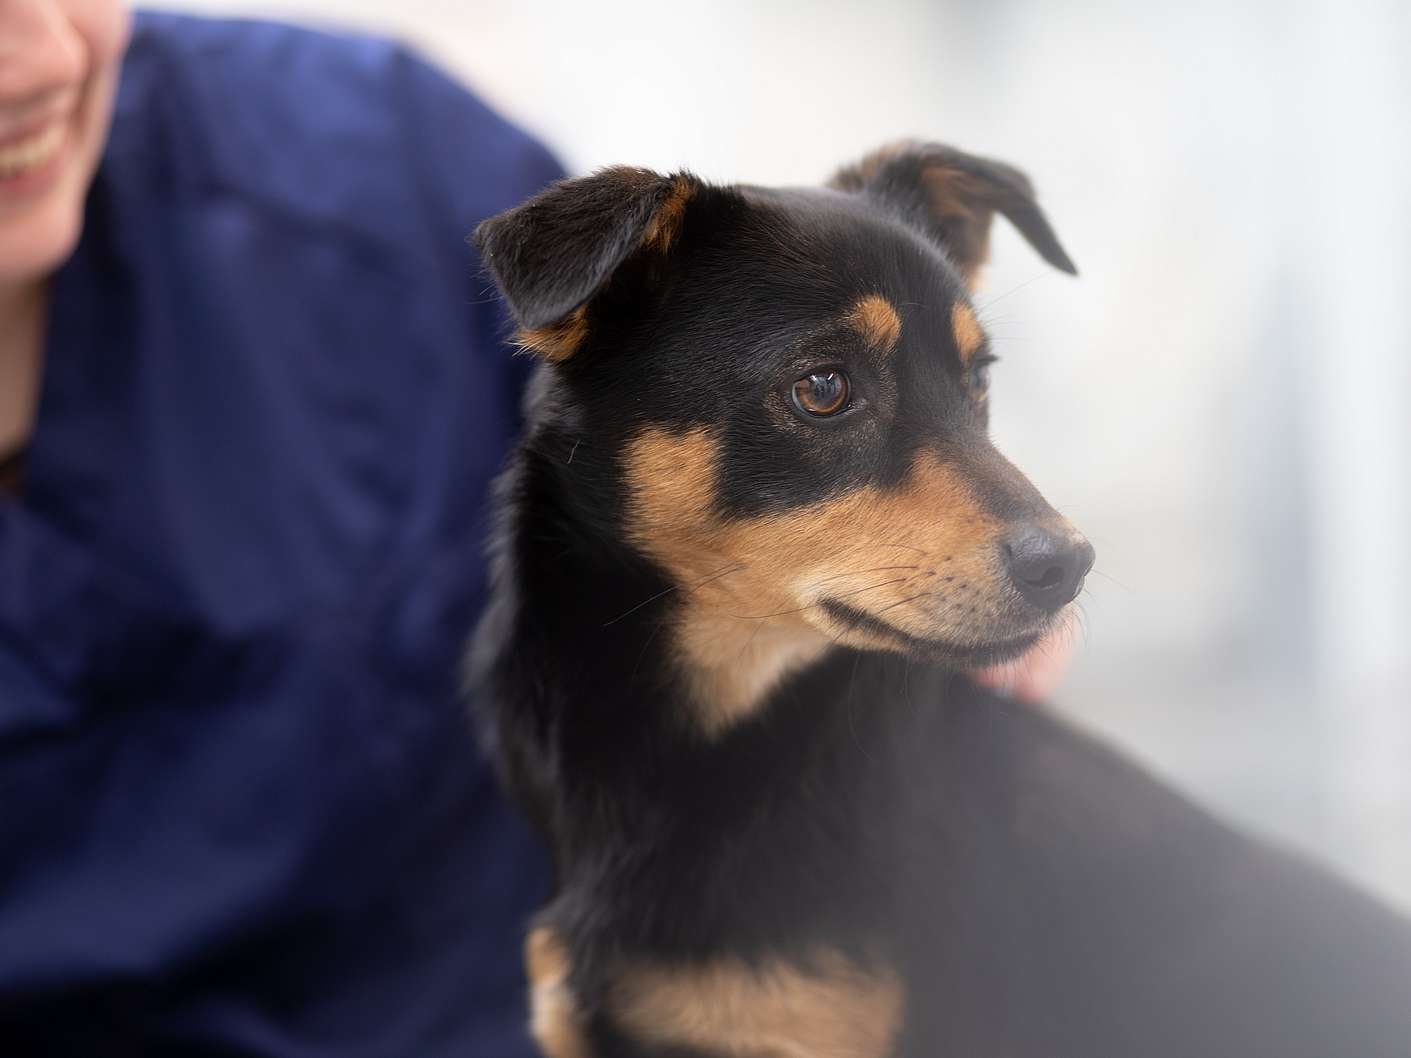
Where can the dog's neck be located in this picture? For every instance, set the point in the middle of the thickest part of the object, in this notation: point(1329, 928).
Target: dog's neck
point(611, 735)
point(731, 664)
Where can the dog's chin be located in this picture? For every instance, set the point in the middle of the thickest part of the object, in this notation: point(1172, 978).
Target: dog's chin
point(938, 650)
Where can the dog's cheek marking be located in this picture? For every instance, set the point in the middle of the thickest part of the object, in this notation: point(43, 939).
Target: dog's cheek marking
point(554, 1021)
point(672, 482)
point(922, 555)
point(877, 321)
point(774, 1010)
point(968, 336)
point(558, 341)
point(739, 630)
point(932, 524)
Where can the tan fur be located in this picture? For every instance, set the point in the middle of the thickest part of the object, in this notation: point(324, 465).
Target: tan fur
point(666, 222)
point(554, 1020)
point(734, 664)
point(920, 557)
point(877, 320)
point(957, 200)
point(557, 341)
point(968, 335)
point(832, 1009)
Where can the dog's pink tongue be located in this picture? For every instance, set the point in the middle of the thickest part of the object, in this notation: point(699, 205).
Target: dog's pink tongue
point(1035, 676)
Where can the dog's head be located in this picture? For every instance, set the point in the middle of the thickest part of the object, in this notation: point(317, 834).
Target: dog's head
point(790, 391)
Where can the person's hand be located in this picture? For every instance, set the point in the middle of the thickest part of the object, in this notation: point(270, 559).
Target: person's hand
point(1035, 676)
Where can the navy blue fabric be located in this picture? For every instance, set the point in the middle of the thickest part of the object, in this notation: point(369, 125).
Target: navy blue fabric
point(241, 812)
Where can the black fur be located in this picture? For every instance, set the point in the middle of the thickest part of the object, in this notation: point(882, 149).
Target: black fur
point(905, 179)
point(1037, 895)
point(554, 252)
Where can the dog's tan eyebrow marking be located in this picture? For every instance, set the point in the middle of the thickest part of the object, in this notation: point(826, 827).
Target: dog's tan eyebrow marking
point(557, 341)
point(969, 338)
point(877, 320)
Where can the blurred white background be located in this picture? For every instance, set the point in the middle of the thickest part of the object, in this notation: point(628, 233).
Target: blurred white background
point(1222, 401)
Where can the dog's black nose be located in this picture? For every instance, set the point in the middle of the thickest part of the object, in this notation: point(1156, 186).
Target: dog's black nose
point(1046, 566)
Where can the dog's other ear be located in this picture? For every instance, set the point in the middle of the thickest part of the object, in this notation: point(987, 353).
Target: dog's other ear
point(954, 196)
point(551, 254)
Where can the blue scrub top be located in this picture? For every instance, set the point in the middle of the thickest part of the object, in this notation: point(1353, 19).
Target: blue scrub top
point(241, 811)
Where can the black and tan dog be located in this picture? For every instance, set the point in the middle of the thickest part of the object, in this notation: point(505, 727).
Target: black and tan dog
point(753, 537)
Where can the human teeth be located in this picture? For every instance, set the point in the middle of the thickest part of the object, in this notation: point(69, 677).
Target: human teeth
point(30, 153)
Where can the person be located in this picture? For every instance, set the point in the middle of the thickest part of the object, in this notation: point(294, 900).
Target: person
point(252, 392)
point(243, 812)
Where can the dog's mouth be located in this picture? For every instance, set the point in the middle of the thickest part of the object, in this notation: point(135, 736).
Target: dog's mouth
point(995, 651)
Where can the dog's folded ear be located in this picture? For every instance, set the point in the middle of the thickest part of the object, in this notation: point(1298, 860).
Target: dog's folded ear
point(552, 254)
point(954, 197)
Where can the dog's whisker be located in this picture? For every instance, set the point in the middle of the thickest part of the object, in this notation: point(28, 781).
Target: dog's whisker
point(1108, 576)
point(646, 643)
point(1074, 625)
point(745, 649)
point(809, 606)
point(903, 602)
point(872, 541)
point(991, 302)
point(738, 566)
point(645, 602)
point(851, 705)
point(733, 568)
point(862, 572)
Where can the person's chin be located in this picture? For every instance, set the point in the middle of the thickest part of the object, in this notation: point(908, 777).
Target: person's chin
point(34, 245)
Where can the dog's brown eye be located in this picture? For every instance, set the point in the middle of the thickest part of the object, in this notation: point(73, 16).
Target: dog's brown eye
point(979, 379)
point(822, 393)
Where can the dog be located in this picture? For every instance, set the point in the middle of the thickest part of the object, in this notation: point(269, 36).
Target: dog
point(754, 536)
